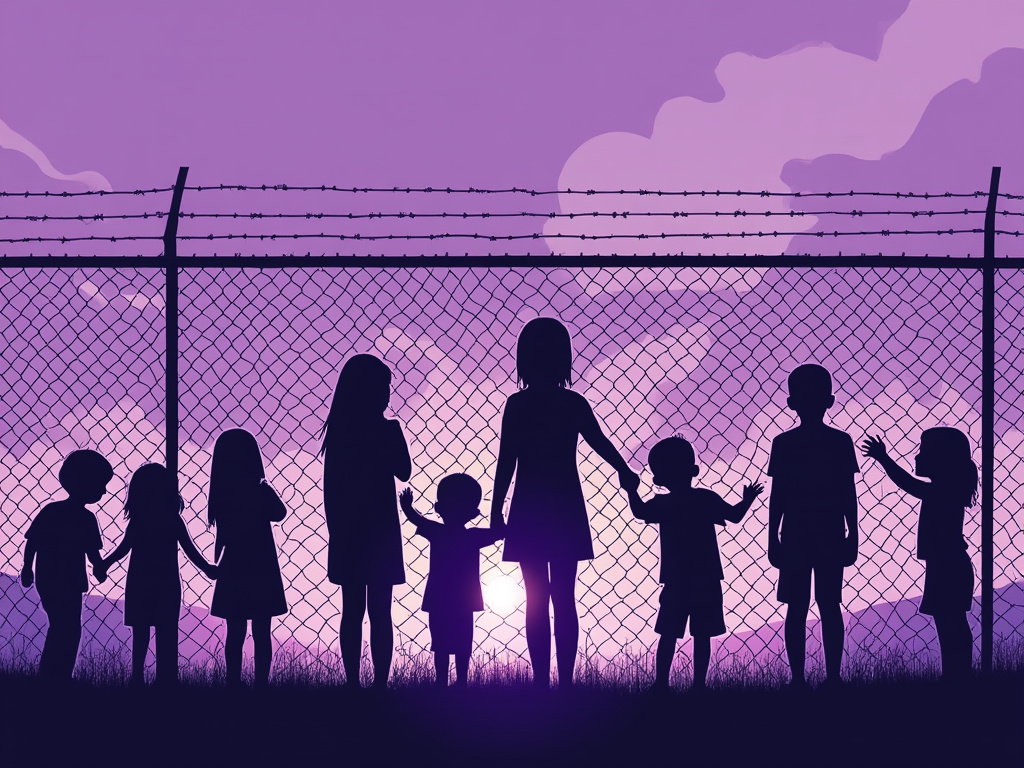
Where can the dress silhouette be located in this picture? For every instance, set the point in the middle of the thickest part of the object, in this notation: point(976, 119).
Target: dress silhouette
point(249, 588)
point(548, 530)
point(364, 452)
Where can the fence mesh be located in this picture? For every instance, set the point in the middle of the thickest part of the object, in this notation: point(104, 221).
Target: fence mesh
point(703, 352)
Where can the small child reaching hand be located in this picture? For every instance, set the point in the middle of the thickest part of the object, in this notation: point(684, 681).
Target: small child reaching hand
point(691, 566)
point(453, 590)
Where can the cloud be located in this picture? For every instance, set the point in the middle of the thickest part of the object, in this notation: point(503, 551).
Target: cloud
point(11, 139)
point(803, 104)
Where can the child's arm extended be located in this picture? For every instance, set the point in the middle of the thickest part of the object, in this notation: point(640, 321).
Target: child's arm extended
point(875, 448)
point(736, 512)
point(192, 552)
point(641, 509)
point(405, 502)
point(27, 575)
point(591, 431)
point(505, 469)
point(100, 568)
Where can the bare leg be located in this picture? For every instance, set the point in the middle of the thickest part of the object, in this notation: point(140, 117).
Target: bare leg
point(701, 661)
point(167, 653)
point(140, 647)
point(538, 620)
point(833, 633)
point(441, 670)
point(796, 639)
point(382, 632)
point(955, 644)
point(461, 670)
point(262, 650)
point(233, 651)
point(663, 661)
point(353, 608)
point(567, 621)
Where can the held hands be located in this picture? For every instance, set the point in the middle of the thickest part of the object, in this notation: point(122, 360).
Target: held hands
point(751, 491)
point(211, 571)
point(27, 577)
point(873, 447)
point(629, 480)
point(849, 551)
point(99, 571)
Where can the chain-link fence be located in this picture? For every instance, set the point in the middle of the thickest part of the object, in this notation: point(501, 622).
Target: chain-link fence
point(683, 348)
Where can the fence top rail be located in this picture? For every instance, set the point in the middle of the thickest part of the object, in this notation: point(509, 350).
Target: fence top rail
point(370, 261)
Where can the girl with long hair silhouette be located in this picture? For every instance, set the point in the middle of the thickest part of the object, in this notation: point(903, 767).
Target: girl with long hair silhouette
point(363, 454)
point(548, 531)
point(249, 588)
point(945, 460)
point(152, 594)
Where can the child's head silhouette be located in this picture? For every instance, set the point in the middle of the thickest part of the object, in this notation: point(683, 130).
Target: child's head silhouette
point(945, 457)
point(84, 475)
point(236, 467)
point(544, 354)
point(673, 463)
point(152, 494)
point(810, 392)
point(363, 389)
point(458, 499)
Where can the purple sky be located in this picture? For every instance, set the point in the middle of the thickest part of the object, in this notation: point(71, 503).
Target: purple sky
point(802, 96)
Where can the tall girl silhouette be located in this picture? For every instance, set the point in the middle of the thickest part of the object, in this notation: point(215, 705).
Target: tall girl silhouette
point(242, 506)
point(548, 531)
point(152, 594)
point(363, 454)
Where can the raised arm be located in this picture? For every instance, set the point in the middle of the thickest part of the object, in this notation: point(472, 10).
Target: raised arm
point(736, 512)
point(875, 448)
point(505, 468)
point(405, 502)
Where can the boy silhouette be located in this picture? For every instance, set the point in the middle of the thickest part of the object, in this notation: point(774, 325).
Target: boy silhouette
point(453, 591)
point(59, 539)
point(691, 566)
point(814, 500)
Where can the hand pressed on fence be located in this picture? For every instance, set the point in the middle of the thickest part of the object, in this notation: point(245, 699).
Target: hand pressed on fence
point(945, 459)
point(691, 565)
point(814, 501)
point(363, 454)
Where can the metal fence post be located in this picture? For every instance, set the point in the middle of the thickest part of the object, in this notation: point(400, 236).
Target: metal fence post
point(171, 323)
point(988, 358)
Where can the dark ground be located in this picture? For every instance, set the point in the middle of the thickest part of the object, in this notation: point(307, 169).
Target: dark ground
point(917, 723)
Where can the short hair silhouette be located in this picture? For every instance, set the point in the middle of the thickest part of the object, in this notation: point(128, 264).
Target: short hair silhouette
point(459, 497)
point(237, 461)
point(544, 353)
point(951, 451)
point(810, 381)
point(671, 452)
point(150, 485)
point(81, 469)
point(364, 379)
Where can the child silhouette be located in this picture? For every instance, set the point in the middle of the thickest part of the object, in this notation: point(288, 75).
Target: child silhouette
point(59, 539)
point(945, 459)
point(453, 591)
point(243, 505)
point(691, 566)
point(548, 528)
point(814, 500)
point(152, 594)
point(363, 454)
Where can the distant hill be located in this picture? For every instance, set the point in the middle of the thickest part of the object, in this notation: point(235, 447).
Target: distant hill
point(883, 628)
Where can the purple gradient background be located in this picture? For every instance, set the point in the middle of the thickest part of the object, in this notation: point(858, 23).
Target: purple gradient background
point(601, 95)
